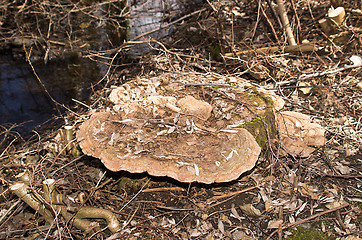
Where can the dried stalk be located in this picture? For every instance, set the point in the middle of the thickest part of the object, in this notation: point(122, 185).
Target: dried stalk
point(21, 190)
point(301, 48)
point(78, 219)
point(23, 177)
point(285, 21)
point(91, 212)
point(318, 74)
point(68, 139)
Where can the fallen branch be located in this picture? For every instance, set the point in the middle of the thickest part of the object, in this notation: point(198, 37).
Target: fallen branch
point(211, 200)
point(319, 74)
point(167, 189)
point(300, 48)
point(175, 208)
point(322, 174)
point(308, 219)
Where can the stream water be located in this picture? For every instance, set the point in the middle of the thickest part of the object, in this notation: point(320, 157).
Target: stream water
point(23, 100)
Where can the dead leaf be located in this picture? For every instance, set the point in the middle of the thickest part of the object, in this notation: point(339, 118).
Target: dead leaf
point(359, 85)
point(335, 204)
point(259, 72)
point(195, 233)
point(234, 212)
point(220, 226)
point(351, 237)
point(342, 168)
point(308, 190)
point(304, 87)
point(239, 235)
point(269, 205)
point(274, 224)
point(356, 60)
point(301, 209)
point(250, 210)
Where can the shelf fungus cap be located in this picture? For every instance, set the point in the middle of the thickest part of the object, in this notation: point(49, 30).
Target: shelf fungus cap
point(299, 134)
point(199, 108)
point(184, 152)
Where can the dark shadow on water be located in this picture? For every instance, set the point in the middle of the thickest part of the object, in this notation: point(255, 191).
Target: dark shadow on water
point(23, 99)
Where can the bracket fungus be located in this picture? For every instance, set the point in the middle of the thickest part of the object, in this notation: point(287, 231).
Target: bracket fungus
point(139, 145)
point(299, 134)
point(190, 128)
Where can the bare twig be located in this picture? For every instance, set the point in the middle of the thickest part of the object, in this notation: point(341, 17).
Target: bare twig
point(169, 24)
point(270, 24)
point(275, 14)
point(134, 197)
point(319, 74)
point(309, 218)
point(11, 208)
point(213, 199)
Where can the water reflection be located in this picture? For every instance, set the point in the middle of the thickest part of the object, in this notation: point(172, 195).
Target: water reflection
point(22, 98)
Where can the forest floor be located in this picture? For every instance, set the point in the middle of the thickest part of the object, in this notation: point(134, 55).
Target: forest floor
point(283, 197)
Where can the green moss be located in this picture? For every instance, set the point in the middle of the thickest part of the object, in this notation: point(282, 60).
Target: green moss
point(259, 130)
point(254, 128)
point(255, 96)
point(264, 124)
point(308, 234)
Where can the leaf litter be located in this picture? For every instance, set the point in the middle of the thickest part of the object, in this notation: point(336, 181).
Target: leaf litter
point(319, 189)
